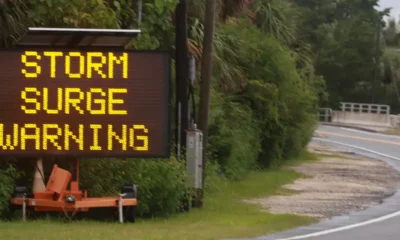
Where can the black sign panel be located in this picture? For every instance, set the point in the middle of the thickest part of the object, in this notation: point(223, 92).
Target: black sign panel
point(84, 103)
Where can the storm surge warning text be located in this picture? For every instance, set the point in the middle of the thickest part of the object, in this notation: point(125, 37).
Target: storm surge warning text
point(99, 112)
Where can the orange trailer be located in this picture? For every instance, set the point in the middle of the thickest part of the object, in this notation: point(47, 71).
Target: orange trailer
point(62, 194)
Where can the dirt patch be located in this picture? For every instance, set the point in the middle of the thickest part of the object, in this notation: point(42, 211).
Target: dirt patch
point(339, 183)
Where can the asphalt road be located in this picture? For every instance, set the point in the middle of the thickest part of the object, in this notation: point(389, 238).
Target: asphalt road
point(381, 222)
point(386, 144)
point(388, 229)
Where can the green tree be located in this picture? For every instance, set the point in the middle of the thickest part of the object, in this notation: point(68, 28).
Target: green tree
point(72, 13)
point(13, 21)
point(392, 33)
point(344, 37)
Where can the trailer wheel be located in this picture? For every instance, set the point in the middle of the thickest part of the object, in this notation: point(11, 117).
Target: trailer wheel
point(130, 214)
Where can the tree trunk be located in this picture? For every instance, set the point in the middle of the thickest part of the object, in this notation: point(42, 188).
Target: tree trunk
point(206, 73)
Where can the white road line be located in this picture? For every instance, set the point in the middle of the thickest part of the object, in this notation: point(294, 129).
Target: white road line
point(359, 148)
point(370, 133)
point(340, 229)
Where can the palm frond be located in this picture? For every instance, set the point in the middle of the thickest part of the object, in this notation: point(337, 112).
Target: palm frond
point(13, 21)
point(228, 74)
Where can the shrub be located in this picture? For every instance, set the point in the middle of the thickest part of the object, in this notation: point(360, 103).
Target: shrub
point(161, 183)
point(234, 138)
point(8, 174)
point(214, 177)
point(284, 104)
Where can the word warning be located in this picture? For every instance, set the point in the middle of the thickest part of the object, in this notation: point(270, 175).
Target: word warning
point(84, 103)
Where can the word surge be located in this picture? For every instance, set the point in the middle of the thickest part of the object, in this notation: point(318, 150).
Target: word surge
point(96, 101)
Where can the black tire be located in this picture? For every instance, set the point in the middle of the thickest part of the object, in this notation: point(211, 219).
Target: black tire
point(129, 214)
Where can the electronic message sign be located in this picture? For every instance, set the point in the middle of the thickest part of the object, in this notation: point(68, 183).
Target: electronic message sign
point(84, 103)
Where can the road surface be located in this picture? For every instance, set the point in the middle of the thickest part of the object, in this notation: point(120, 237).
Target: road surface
point(388, 229)
point(380, 222)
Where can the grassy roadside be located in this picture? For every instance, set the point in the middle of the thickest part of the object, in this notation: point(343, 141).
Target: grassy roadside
point(224, 216)
point(393, 132)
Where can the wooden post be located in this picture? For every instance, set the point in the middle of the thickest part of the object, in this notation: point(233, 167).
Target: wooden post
point(182, 73)
point(205, 85)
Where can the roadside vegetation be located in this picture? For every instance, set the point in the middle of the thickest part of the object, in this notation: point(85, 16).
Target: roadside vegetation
point(274, 63)
point(393, 131)
point(225, 215)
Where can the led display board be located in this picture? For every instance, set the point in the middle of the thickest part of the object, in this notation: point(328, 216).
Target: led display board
point(84, 103)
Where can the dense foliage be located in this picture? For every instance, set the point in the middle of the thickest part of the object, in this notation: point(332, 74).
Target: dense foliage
point(8, 174)
point(161, 182)
point(275, 62)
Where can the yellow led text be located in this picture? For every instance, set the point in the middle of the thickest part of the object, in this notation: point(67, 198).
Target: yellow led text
point(32, 64)
point(96, 101)
point(88, 65)
point(60, 137)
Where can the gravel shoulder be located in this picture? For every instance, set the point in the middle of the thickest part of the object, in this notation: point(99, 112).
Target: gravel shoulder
point(338, 183)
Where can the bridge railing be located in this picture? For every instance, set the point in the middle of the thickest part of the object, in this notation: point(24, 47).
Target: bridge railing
point(365, 108)
point(360, 114)
point(325, 114)
point(395, 121)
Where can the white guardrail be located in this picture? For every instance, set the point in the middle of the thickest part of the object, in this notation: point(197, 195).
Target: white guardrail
point(360, 114)
point(365, 108)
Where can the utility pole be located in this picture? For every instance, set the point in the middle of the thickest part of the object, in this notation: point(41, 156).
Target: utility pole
point(182, 75)
point(205, 85)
